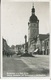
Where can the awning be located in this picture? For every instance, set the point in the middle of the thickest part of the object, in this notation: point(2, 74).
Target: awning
point(36, 50)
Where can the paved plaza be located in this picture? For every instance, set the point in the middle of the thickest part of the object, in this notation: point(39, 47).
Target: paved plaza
point(26, 66)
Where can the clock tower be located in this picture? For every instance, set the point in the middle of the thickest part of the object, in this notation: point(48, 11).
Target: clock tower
point(33, 30)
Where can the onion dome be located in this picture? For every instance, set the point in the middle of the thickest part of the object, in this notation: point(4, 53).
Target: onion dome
point(33, 17)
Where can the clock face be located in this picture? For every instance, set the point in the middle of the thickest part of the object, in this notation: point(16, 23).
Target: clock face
point(33, 25)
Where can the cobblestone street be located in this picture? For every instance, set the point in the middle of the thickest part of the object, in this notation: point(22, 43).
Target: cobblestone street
point(26, 66)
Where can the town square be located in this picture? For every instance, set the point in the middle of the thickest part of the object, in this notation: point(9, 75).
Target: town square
point(26, 39)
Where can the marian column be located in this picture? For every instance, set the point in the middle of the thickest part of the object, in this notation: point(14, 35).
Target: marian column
point(26, 45)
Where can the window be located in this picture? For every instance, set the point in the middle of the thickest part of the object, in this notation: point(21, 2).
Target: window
point(47, 43)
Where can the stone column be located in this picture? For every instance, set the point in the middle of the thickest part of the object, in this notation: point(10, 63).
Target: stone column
point(26, 46)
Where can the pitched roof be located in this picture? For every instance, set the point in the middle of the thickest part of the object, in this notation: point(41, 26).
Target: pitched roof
point(43, 36)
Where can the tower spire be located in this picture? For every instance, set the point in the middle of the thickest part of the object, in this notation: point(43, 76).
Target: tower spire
point(33, 4)
point(33, 9)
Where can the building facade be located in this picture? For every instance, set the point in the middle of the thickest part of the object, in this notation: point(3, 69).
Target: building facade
point(33, 31)
point(36, 40)
point(7, 50)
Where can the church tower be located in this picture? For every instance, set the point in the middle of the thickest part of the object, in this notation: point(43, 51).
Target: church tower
point(33, 30)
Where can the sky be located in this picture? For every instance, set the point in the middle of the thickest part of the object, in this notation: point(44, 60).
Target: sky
point(15, 18)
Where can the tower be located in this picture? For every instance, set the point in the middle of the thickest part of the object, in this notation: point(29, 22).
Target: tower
point(33, 30)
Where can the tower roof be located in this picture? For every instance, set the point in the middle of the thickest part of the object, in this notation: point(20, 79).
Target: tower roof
point(33, 10)
point(43, 36)
point(33, 17)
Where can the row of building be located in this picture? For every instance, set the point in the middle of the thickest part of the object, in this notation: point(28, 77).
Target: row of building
point(7, 50)
point(41, 44)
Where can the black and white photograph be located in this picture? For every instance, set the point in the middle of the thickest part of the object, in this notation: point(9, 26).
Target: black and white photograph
point(25, 39)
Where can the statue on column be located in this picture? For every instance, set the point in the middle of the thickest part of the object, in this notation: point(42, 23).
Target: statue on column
point(26, 45)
